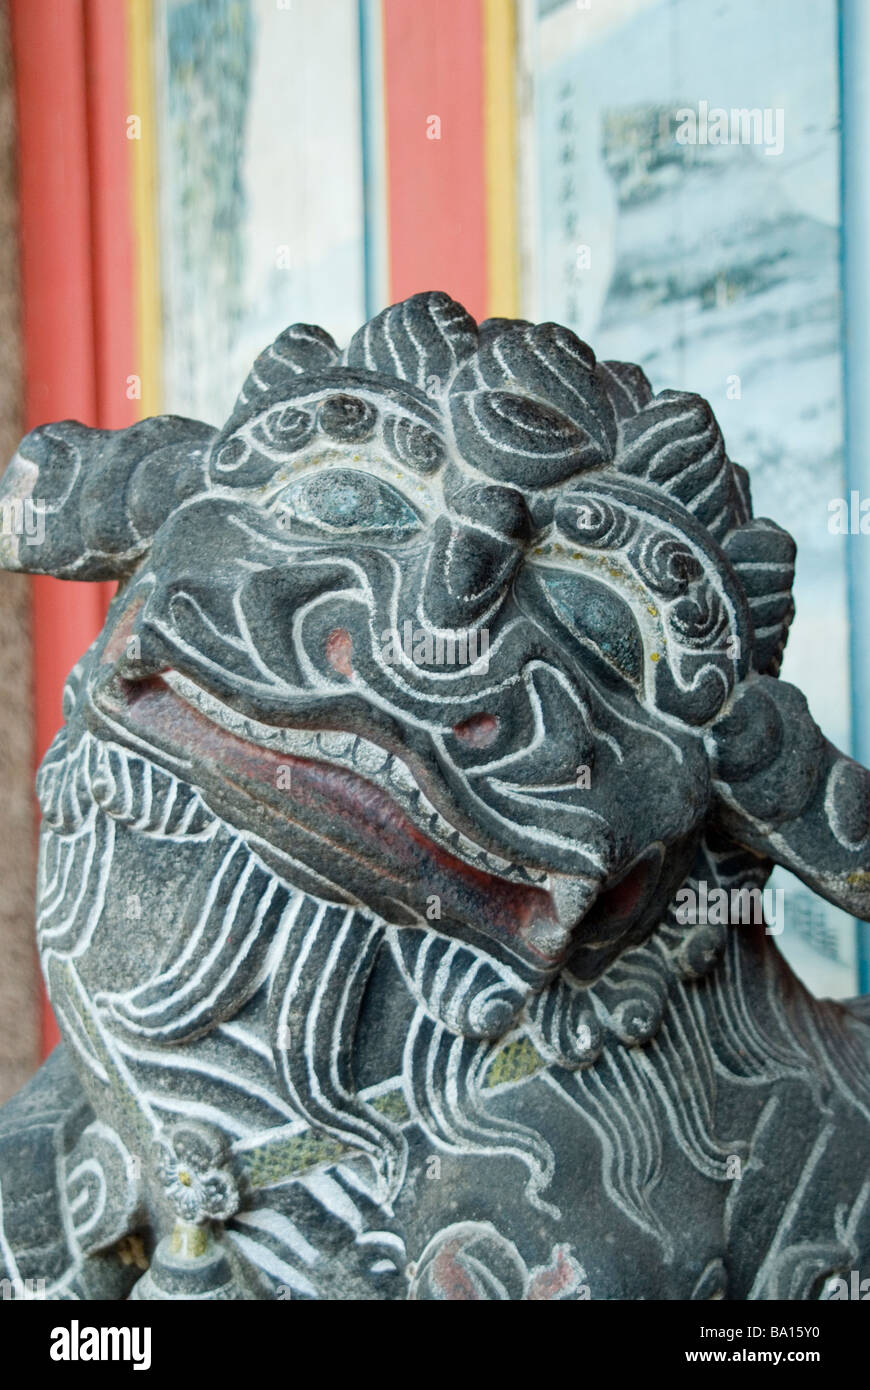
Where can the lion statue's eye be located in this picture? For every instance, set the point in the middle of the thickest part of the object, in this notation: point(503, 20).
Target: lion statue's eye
point(599, 617)
point(343, 501)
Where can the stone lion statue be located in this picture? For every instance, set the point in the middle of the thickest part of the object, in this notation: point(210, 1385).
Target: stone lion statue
point(404, 845)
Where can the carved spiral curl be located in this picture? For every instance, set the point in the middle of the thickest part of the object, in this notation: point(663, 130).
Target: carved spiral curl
point(699, 619)
point(594, 522)
point(666, 564)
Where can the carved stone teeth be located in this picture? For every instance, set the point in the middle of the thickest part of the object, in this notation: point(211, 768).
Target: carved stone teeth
point(530, 875)
point(469, 850)
point(550, 938)
point(490, 861)
point(439, 829)
point(367, 757)
point(334, 744)
point(401, 777)
point(301, 741)
point(265, 736)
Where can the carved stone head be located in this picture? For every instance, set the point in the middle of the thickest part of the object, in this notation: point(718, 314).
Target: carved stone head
point(459, 646)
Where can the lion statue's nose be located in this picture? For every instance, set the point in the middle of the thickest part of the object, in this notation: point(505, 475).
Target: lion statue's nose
point(477, 549)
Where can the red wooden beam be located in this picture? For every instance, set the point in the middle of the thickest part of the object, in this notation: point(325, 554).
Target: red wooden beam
point(436, 187)
point(111, 211)
point(76, 276)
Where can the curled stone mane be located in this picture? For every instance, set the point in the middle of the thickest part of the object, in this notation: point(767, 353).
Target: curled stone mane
point(438, 681)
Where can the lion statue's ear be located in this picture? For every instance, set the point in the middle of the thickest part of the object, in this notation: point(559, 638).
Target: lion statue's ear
point(784, 792)
point(82, 503)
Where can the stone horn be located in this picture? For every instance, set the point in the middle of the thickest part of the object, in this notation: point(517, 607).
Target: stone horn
point(785, 792)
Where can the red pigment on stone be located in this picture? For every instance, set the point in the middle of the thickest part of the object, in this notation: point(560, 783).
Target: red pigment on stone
point(478, 731)
point(339, 650)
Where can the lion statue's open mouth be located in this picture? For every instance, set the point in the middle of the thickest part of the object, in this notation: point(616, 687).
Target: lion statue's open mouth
point(455, 656)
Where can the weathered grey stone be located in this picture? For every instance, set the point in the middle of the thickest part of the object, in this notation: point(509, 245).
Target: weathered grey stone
point(397, 845)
